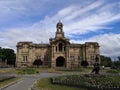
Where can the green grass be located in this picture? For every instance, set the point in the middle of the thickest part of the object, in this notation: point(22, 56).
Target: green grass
point(7, 70)
point(44, 84)
point(77, 70)
point(113, 71)
point(27, 71)
point(69, 70)
point(8, 81)
point(31, 70)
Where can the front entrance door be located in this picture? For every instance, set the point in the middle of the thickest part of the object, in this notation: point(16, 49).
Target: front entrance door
point(60, 62)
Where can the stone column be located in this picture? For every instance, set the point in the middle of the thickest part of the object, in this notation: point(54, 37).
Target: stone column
point(68, 65)
point(53, 64)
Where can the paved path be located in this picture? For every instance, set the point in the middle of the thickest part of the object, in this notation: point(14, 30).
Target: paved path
point(27, 81)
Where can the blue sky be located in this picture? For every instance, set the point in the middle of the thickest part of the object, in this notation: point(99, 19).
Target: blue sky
point(83, 20)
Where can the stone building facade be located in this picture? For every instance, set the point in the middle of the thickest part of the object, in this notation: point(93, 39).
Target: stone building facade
point(58, 53)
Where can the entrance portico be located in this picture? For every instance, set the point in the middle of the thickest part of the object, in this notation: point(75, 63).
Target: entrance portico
point(60, 62)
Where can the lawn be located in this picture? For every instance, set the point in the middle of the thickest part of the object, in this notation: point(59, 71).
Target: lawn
point(7, 70)
point(30, 70)
point(7, 80)
point(21, 71)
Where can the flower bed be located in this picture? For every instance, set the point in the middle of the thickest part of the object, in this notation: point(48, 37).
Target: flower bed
point(97, 82)
point(105, 82)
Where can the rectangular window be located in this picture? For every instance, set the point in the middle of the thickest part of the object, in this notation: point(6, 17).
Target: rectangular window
point(79, 58)
point(72, 58)
point(92, 57)
point(37, 57)
point(46, 57)
point(25, 58)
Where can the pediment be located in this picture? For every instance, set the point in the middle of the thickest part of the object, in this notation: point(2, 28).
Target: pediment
point(61, 40)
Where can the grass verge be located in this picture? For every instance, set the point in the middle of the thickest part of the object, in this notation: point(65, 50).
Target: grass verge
point(7, 70)
point(113, 71)
point(6, 82)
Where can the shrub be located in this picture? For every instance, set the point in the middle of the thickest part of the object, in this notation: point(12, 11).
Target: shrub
point(27, 71)
point(113, 71)
point(97, 82)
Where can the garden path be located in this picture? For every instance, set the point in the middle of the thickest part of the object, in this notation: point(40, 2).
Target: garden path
point(27, 81)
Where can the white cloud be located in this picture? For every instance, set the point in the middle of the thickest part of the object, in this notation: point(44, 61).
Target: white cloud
point(21, 10)
point(81, 10)
point(77, 19)
point(109, 43)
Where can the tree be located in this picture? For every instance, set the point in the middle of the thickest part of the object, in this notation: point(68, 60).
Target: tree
point(2, 56)
point(119, 58)
point(117, 63)
point(106, 61)
point(8, 55)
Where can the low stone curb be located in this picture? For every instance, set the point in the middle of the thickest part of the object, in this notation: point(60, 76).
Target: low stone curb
point(12, 83)
point(31, 88)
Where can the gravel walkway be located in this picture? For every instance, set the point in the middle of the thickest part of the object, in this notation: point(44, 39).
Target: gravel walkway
point(27, 81)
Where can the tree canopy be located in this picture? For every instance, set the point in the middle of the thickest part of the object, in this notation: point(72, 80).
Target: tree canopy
point(106, 61)
point(7, 55)
point(117, 62)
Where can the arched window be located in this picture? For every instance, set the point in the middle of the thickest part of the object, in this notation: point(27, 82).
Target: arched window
point(60, 47)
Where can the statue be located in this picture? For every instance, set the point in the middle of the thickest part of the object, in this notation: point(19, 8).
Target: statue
point(96, 68)
point(96, 65)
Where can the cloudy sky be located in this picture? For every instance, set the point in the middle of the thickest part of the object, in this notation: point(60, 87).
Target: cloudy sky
point(83, 20)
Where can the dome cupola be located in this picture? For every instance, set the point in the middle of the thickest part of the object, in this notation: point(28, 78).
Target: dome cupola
point(59, 26)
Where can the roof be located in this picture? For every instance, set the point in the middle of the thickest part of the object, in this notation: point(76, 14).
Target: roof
point(75, 45)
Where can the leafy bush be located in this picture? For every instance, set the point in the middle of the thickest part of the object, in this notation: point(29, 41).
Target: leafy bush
point(27, 71)
point(113, 71)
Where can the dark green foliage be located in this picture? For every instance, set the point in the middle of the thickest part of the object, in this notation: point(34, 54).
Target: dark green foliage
point(119, 58)
point(106, 61)
point(24, 71)
point(8, 56)
point(113, 71)
point(117, 63)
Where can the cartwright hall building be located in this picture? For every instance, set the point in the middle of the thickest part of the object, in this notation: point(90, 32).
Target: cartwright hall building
point(59, 52)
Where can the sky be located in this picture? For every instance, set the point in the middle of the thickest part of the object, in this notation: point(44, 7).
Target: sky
point(83, 20)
